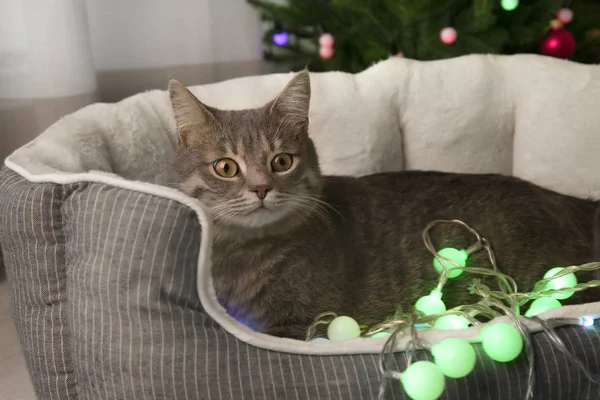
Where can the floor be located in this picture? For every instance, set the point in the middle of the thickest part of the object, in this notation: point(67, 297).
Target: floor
point(15, 383)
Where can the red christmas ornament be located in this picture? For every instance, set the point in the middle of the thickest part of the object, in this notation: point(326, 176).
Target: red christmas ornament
point(558, 43)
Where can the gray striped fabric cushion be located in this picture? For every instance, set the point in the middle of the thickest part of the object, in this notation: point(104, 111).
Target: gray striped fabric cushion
point(104, 298)
point(33, 246)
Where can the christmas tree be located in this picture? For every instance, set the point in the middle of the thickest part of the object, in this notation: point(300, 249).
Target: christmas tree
point(351, 35)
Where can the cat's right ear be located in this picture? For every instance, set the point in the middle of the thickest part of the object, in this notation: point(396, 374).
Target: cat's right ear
point(193, 119)
point(294, 100)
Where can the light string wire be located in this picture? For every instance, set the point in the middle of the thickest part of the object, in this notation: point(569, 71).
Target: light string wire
point(321, 319)
point(548, 326)
point(508, 287)
point(493, 303)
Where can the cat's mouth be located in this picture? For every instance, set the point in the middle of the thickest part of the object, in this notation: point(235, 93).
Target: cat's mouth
point(261, 207)
point(260, 215)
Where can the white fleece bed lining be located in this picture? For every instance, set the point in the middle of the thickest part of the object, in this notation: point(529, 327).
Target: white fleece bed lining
point(212, 307)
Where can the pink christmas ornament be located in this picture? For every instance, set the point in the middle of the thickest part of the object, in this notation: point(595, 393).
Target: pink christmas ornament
point(564, 15)
point(326, 40)
point(326, 52)
point(448, 35)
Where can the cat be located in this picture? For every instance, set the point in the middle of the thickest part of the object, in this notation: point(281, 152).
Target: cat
point(291, 243)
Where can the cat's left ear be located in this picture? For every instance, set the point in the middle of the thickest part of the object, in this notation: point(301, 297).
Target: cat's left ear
point(294, 100)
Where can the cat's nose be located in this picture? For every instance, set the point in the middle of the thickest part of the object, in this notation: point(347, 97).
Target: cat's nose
point(261, 191)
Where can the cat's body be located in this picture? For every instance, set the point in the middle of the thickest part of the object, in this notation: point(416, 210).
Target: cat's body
point(371, 258)
point(290, 243)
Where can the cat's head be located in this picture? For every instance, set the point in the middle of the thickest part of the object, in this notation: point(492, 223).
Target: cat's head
point(252, 168)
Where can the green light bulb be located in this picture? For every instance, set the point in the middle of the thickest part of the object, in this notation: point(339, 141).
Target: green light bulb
point(542, 305)
point(509, 5)
point(381, 334)
point(451, 321)
point(458, 256)
point(423, 380)
point(431, 304)
point(343, 328)
point(566, 281)
point(454, 357)
point(501, 341)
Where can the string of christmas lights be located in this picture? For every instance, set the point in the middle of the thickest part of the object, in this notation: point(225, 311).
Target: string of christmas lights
point(455, 357)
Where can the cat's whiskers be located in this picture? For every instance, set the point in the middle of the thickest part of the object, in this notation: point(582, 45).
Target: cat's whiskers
point(309, 206)
point(223, 221)
point(316, 199)
point(227, 210)
point(234, 209)
point(302, 217)
point(226, 215)
point(317, 212)
point(231, 213)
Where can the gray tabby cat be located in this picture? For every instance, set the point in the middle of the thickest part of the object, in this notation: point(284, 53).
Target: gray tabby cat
point(291, 243)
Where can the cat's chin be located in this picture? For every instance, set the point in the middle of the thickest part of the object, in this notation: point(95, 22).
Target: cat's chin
point(259, 218)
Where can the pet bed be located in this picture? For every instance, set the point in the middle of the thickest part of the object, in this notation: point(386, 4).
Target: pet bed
point(109, 265)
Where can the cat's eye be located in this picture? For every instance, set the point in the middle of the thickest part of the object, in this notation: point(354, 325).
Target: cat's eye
point(281, 162)
point(226, 167)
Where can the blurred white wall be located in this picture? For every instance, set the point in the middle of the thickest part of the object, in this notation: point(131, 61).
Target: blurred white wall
point(44, 49)
point(57, 56)
point(134, 34)
point(140, 44)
